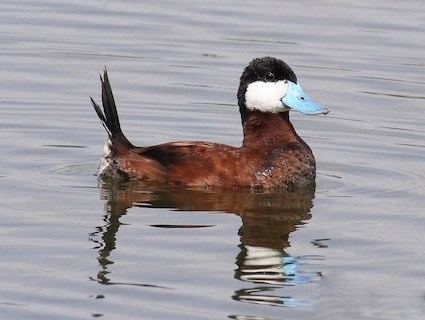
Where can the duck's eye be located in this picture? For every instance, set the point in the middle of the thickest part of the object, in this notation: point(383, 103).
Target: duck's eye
point(270, 76)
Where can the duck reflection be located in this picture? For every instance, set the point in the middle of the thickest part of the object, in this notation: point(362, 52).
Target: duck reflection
point(267, 221)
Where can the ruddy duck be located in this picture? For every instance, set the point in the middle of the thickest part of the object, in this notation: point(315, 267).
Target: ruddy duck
point(272, 154)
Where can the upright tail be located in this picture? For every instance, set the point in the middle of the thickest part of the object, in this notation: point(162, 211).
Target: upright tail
point(109, 116)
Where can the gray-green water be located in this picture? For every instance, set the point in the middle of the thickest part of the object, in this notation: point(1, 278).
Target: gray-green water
point(72, 248)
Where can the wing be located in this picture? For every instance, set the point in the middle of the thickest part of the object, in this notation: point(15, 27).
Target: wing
point(194, 163)
point(175, 153)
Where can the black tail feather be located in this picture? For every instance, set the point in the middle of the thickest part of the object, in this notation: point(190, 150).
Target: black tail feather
point(109, 116)
point(100, 115)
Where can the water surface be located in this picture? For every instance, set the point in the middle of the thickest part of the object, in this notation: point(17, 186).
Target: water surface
point(76, 248)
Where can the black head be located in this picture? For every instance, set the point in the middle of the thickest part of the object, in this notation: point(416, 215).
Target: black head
point(266, 69)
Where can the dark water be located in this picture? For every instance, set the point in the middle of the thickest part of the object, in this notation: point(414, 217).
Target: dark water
point(74, 248)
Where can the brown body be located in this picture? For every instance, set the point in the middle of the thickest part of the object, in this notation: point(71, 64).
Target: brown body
point(272, 155)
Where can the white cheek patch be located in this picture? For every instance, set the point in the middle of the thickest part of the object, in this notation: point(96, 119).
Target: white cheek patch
point(265, 96)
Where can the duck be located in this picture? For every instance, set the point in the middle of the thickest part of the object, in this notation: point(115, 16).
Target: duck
point(272, 154)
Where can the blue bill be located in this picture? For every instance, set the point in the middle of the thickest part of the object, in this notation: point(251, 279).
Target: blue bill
point(298, 100)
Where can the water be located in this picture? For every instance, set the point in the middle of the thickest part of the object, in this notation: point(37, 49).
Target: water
point(74, 248)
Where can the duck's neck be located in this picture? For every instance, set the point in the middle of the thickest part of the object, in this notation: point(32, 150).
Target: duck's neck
point(268, 130)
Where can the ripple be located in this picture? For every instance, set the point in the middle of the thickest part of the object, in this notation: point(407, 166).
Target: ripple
point(245, 317)
point(394, 95)
point(75, 169)
point(131, 284)
point(391, 79)
point(262, 41)
point(181, 226)
point(13, 304)
point(352, 180)
point(64, 146)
